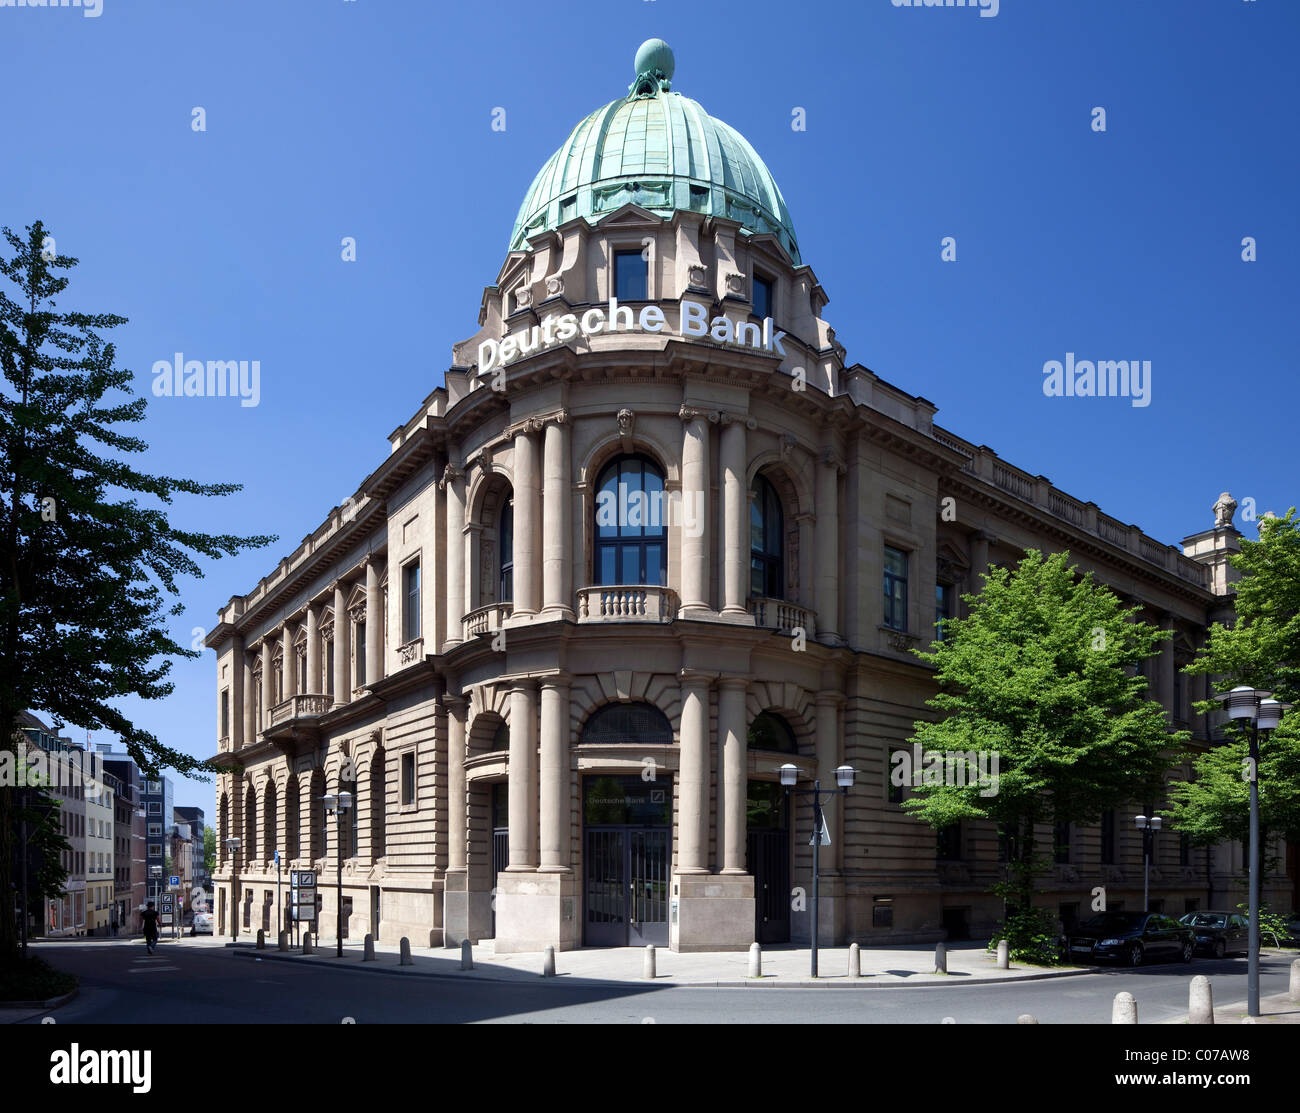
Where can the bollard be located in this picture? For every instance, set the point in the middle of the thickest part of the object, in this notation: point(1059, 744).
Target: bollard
point(548, 963)
point(405, 959)
point(940, 958)
point(466, 955)
point(755, 961)
point(283, 941)
point(306, 942)
point(1250, 1020)
point(648, 965)
point(948, 1020)
point(1026, 1018)
point(1124, 1010)
point(855, 961)
point(1295, 981)
point(1200, 1009)
point(1004, 955)
point(368, 948)
point(261, 940)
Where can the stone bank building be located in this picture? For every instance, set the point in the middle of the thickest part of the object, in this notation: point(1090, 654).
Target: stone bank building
point(656, 536)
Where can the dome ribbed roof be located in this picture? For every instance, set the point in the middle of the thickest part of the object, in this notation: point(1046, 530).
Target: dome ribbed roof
point(662, 151)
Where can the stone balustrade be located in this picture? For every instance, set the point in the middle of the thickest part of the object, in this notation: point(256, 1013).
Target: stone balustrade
point(627, 603)
point(486, 620)
point(778, 614)
point(299, 707)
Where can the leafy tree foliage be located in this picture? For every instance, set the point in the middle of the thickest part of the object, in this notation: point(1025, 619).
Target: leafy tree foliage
point(88, 558)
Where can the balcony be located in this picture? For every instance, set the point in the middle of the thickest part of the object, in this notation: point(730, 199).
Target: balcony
point(300, 707)
point(411, 651)
point(777, 614)
point(487, 620)
point(223, 745)
point(629, 603)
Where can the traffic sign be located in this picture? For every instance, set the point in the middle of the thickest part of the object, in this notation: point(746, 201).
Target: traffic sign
point(825, 835)
point(174, 880)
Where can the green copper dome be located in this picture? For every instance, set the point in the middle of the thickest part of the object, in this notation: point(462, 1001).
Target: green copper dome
point(660, 150)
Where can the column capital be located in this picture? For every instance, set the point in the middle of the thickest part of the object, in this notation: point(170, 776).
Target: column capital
point(691, 413)
point(450, 474)
point(830, 458)
point(697, 677)
point(733, 681)
point(828, 697)
point(555, 680)
point(727, 417)
point(522, 683)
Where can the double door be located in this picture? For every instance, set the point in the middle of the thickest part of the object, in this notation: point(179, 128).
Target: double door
point(625, 886)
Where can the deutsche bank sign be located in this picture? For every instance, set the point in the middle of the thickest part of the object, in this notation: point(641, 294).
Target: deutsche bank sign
point(693, 321)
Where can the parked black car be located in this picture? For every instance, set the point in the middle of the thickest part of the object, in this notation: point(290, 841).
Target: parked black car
point(1130, 937)
point(1218, 933)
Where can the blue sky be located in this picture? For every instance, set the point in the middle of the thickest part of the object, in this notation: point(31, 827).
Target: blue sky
point(372, 119)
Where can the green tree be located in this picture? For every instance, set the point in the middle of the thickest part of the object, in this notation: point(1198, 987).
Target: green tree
point(89, 561)
point(1262, 650)
point(1040, 674)
point(209, 850)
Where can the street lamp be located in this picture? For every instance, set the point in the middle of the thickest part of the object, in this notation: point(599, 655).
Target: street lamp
point(233, 845)
point(339, 805)
point(844, 778)
point(1148, 825)
point(1256, 707)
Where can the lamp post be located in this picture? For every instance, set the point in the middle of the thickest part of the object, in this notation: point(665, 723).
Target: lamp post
point(339, 806)
point(1255, 707)
point(844, 778)
point(1148, 825)
point(233, 845)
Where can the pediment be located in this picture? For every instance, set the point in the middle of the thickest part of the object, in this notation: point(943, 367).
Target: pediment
point(630, 215)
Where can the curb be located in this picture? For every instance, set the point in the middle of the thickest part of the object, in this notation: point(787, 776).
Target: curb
point(769, 982)
point(51, 1003)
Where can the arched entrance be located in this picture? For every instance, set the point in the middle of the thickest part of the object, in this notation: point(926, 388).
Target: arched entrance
point(627, 836)
point(768, 829)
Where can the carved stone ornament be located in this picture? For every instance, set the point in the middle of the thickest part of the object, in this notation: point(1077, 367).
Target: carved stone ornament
point(689, 413)
point(485, 458)
point(327, 631)
point(788, 443)
point(523, 297)
point(832, 459)
point(358, 613)
point(735, 283)
point(554, 286)
point(626, 419)
point(450, 474)
point(1224, 509)
point(697, 274)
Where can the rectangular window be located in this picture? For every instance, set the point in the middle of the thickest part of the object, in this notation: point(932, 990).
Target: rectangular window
point(1061, 843)
point(225, 712)
point(408, 778)
point(153, 786)
point(302, 673)
point(895, 589)
point(359, 652)
point(411, 601)
point(155, 850)
point(329, 668)
point(894, 793)
point(762, 296)
point(1108, 838)
point(943, 595)
point(155, 830)
point(155, 807)
point(630, 281)
point(1184, 849)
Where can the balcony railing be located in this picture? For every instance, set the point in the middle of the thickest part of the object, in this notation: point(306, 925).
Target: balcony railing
point(223, 745)
point(300, 707)
point(629, 603)
point(411, 651)
point(777, 614)
point(486, 620)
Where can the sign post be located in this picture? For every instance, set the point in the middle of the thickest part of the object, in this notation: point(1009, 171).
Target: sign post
point(302, 897)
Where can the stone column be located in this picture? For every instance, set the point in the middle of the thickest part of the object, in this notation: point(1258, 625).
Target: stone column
point(342, 646)
point(453, 482)
point(374, 623)
point(527, 514)
point(693, 785)
point(695, 510)
point(314, 685)
point(826, 584)
point(828, 758)
point(456, 841)
point(251, 725)
point(557, 561)
point(735, 517)
point(733, 791)
point(523, 776)
point(1165, 668)
point(238, 692)
point(268, 683)
point(555, 776)
point(290, 659)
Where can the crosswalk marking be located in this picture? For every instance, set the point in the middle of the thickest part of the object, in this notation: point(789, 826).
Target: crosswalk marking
point(151, 969)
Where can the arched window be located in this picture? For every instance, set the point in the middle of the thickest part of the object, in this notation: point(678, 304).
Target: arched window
point(771, 732)
point(501, 739)
point(506, 547)
point(291, 822)
point(350, 819)
point(378, 802)
point(766, 541)
point(270, 806)
point(250, 826)
point(628, 722)
point(631, 524)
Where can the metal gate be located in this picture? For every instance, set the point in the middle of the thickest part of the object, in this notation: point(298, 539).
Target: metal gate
point(626, 886)
point(500, 859)
point(769, 861)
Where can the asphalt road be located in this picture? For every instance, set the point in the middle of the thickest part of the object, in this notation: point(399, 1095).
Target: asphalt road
point(203, 982)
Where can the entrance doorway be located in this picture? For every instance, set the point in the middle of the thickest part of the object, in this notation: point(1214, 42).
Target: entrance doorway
point(374, 912)
point(627, 845)
point(500, 841)
point(769, 860)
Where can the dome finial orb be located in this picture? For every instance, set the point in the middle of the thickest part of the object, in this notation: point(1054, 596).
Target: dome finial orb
point(654, 60)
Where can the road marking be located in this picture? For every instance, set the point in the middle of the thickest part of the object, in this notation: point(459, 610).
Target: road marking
point(152, 969)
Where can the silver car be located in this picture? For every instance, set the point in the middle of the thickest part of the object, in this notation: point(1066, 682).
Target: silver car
point(202, 924)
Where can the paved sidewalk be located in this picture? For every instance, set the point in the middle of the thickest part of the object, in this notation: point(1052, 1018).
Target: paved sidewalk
point(1275, 1009)
point(968, 964)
